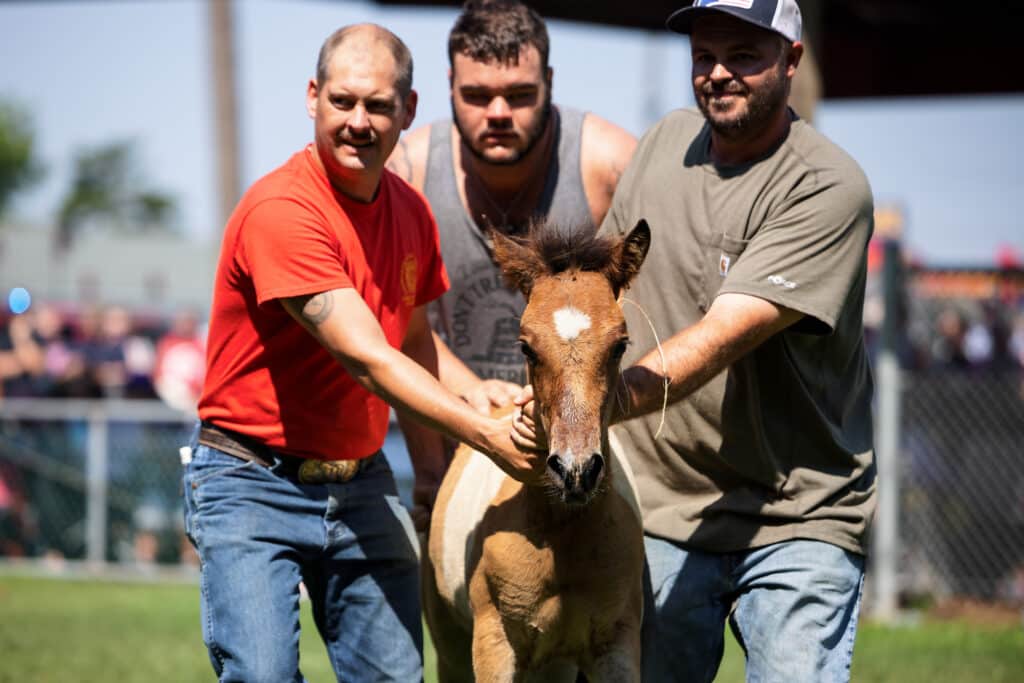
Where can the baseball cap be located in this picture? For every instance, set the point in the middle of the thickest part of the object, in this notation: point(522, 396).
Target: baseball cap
point(780, 16)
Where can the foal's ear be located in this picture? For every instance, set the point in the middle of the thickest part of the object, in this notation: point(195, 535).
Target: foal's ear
point(632, 251)
point(518, 262)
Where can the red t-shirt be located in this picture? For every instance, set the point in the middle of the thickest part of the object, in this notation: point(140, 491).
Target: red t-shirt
point(293, 234)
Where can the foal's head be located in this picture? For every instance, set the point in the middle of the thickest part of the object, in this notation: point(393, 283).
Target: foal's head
point(573, 335)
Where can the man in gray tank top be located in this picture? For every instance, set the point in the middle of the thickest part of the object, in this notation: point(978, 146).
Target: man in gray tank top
point(507, 155)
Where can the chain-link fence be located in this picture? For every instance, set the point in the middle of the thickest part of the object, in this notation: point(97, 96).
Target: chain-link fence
point(100, 481)
point(962, 485)
point(92, 480)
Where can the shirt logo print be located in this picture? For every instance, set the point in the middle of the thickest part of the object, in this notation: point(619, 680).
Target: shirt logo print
point(723, 265)
point(780, 281)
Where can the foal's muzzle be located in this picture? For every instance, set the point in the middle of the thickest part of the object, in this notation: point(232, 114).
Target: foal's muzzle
point(579, 478)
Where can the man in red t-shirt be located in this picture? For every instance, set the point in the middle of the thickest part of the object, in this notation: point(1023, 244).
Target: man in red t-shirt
point(318, 324)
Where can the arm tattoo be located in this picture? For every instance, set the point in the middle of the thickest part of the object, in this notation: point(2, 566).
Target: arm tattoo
point(399, 163)
point(319, 307)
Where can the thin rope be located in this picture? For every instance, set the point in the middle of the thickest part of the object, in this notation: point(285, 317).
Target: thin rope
point(664, 364)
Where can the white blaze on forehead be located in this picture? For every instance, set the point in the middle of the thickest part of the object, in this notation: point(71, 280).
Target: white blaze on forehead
point(569, 322)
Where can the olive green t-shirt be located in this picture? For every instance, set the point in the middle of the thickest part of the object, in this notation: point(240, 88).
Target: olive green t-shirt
point(779, 446)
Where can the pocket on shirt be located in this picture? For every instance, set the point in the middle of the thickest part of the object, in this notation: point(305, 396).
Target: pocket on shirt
point(720, 254)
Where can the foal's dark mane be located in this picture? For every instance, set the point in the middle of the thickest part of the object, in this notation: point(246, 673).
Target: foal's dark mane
point(561, 248)
point(549, 249)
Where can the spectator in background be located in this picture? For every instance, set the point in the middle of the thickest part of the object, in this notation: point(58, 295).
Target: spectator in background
point(105, 352)
point(40, 357)
point(85, 341)
point(1016, 342)
point(119, 361)
point(21, 358)
point(63, 363)
point(181, 362)
point(994, 323)
point(978, 344)
point(948, 347)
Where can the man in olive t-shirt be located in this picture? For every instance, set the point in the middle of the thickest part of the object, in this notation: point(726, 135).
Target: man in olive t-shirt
point(758, 491)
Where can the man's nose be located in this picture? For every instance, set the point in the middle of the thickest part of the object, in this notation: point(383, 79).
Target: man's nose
point(498, 108)
point(720, 73)
point(360, 119)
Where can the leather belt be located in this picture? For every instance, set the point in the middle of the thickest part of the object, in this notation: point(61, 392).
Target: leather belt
point(303, 470)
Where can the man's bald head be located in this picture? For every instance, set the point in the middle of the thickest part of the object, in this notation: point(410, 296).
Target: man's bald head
point(369, 35)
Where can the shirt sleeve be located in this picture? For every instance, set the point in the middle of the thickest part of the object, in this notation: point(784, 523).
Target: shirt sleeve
point(288, 250)
point(635, 188)
point(812, 251)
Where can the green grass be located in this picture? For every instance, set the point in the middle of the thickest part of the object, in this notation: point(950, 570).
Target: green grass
point(86, 631)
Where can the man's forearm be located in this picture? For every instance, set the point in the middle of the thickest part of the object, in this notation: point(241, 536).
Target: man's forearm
point(735, 326)
point(691, 359)
point(409, 388)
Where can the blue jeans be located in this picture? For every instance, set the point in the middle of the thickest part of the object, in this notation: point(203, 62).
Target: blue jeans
point(258, 534)
point(793, 606)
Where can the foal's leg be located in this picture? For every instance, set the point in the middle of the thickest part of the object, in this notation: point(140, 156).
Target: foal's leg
point(621, 662)
point(452, 642)
point(615, 666)
point(494, 660)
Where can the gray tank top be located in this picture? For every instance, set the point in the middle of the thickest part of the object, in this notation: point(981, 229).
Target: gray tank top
point(479, 316)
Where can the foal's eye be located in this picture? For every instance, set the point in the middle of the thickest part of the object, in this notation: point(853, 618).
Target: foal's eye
point(531, 355)
point(619, 350)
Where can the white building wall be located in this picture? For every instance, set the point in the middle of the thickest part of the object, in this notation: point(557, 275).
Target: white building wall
point(152, 271)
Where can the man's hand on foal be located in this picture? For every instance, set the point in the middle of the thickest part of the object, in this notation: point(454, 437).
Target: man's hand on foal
point(526, 431)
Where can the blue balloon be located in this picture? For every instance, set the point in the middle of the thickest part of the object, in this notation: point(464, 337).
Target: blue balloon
point(19, 300)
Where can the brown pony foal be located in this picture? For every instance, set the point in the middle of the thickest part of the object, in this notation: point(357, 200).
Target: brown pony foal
point(541, 582)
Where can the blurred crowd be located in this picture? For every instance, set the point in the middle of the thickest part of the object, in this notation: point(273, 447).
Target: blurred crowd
point(102, 352)
point(111, 352)
point(954, 332)
point(968, 335)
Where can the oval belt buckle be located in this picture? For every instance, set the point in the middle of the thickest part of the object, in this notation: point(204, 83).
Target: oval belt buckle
point(327, 471)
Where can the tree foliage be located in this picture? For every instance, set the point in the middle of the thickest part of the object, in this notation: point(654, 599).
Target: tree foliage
point(19, 168)
point(107, 190)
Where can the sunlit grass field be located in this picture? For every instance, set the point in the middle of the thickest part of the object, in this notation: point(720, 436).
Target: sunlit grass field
point(86, 631)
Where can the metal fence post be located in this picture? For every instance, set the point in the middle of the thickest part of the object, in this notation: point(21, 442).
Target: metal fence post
point(96, 488)
point(887, 441)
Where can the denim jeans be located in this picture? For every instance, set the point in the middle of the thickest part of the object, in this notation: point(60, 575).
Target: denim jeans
point(793, 606)
point(258, 534)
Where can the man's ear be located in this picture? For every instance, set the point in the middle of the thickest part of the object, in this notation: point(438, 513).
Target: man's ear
point(312, 91)
point(410, 109)
point(793, 55)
